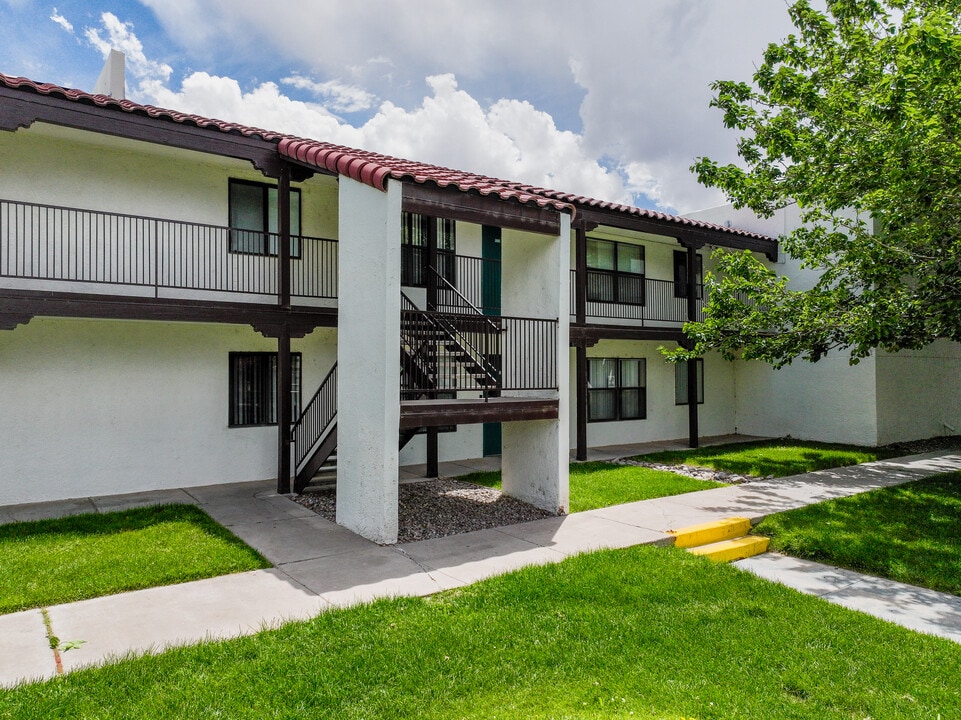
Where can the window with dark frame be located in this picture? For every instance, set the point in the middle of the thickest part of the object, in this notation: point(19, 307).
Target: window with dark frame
point(253, 218)
point(414, 232)
point(253, 388)
point(680, 275)
point(680, 382)
point(617, 389)
point(615, 272)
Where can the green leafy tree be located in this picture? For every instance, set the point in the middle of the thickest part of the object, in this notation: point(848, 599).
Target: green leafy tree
point(856, 118)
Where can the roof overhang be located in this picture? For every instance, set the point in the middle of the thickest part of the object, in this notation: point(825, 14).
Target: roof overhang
point(19, 109)
point(695, 235)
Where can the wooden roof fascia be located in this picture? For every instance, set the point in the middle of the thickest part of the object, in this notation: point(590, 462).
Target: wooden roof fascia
point(684, 234)
point(455, 204)
point(19, 110)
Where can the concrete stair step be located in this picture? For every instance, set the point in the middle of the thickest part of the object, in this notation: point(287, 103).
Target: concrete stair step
point(712, 532)
point(730, 550)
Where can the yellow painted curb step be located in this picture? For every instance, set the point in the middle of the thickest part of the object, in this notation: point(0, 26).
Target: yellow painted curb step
point(722, 540)
point(730, 550)
point(711, 532)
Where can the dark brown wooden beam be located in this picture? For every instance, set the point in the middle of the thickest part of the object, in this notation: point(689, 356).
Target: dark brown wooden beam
point(581, 370)
point(428, 199)
point(588, 335)
point(683, 233)
point(19, 306)
point(283, 241)
point(284, 412)
point(432, 413)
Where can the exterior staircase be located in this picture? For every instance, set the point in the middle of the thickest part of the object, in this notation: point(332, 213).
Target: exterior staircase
point(439, 353)
point(721, 540)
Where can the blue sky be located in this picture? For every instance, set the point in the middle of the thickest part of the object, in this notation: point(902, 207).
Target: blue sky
point(607, 99)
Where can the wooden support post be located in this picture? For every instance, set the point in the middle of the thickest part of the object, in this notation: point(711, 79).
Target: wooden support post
point(580, 318)
point(283, 411)
point(693, 439)
point(581, 370)
point(283, 239)
point(430, 273)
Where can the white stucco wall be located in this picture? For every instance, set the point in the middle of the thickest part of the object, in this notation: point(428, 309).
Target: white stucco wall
point(829, 400)
point(918, 393)
point(72, 168)
point(104, 407)
point(665, 420)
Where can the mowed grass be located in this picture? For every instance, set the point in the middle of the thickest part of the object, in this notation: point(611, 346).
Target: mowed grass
point(599, 484)
point(910, 533)
point(643, 633)
point(47, 562)
point(779, 458)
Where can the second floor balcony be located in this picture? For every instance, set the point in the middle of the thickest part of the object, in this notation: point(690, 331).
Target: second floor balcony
point(44, 247)
point(636, 300)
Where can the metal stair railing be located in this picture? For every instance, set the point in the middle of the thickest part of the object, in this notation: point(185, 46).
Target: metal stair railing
point(316, 418)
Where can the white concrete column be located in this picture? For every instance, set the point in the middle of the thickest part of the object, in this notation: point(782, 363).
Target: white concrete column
point(368, 352)
point(535, 283)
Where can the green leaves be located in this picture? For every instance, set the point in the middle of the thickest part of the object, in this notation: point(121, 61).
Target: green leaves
point(856, 118)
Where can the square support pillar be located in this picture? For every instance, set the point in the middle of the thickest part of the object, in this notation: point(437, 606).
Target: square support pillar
point(368, 359)
point(535, 283)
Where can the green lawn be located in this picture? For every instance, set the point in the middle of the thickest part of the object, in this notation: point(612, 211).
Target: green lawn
point(770, 457)
point(643, 633)
point(47, 562)
point(599, 484)
point(910, 533)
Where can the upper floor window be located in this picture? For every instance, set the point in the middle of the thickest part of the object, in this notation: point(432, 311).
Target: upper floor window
point(617, 389)
point(680, 275)
point(615, 272)
point(253, 218)
point(414, 233)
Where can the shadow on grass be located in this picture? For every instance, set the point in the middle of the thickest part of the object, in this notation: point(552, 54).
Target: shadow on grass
point(910, 533)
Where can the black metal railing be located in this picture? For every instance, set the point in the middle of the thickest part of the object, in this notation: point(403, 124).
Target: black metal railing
point(469, 283)
point(451, 352)
point(317, 416)
point(46, 242)
point(655, 301)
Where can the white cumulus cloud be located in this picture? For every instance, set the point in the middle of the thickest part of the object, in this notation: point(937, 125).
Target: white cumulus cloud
point(341, 97)
point(120, 36)
point(61, 21)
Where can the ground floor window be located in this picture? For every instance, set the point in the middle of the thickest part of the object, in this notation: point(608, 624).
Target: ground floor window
point(680, 382)
point(253, 388)
point(617, 389)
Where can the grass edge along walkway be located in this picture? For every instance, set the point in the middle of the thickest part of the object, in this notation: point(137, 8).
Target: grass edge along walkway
point(909, 533)
point(765, 458)
point(48, 562)
point(595, 485)
point(642, 632)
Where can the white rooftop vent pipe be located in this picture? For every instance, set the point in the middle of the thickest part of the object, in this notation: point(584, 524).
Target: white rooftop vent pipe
point(111, 81)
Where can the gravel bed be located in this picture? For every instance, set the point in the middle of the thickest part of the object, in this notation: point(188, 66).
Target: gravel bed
point(916, 447)
point(699, 473)
point(438, 508)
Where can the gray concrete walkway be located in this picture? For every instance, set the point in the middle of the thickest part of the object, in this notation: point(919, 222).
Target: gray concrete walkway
point(320, 565)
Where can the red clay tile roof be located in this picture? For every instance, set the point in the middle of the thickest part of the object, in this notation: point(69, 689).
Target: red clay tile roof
point(369, 167)
point(374, 169)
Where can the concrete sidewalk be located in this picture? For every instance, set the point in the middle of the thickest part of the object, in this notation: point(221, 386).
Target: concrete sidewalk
point(320, 565)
